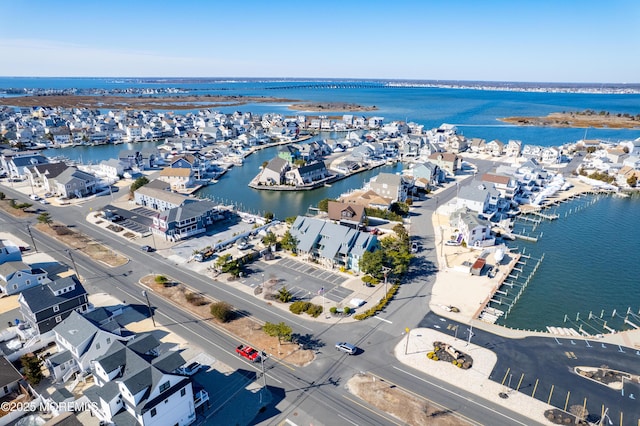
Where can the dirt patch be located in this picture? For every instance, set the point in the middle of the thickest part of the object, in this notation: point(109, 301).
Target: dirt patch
point(246, 328)
point(6, 205)
point(83, 243)
point(405, 406)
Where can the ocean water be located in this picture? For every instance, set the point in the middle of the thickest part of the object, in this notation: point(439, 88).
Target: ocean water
point(589, 253)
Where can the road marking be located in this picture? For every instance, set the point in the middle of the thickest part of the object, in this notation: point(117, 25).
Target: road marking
point(571, 355)
point(370, 410)
point(460, 396)
point(346, 419)
point(382, 319)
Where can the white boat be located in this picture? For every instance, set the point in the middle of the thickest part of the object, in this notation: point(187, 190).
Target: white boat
point(499, 255)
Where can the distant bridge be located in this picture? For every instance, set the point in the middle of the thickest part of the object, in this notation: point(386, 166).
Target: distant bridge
point(328, 85)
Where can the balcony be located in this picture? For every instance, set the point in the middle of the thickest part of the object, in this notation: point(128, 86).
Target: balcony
point(200, 398)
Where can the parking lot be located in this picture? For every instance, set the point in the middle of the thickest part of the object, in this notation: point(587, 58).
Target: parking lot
point(303, 280)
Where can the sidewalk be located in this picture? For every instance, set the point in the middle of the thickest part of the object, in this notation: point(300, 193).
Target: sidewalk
point(412, 351)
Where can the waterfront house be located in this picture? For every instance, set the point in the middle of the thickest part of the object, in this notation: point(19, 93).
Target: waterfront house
point(513, 148)
point(9, 252)
point(188, 161)
point(16, 163)
point(331, 244)
point(74, 183)
point(177, 178)
point(131, 158)
point(425, 174)
point(627, 174)
point(289, 153)
point(79, 341)
point(477, 197)
point(506, 185)
point(632, 161)
point(495, 148)
point(477, 145)
point(476, 232)
point(186, 220)
point(367, 198)
point(47, 305)
point(60, 135)
point(17, 276)
point(348, 214)
point(391, 186)
point(456, 143)
point(157, 197)
point(532, 152)
point(40, 175)
point(589, 144)
point(448, 162)
point(307, 174)
point(363, 152)
point(616, 154)
point(135, 388)
point(274, 172)
point(112, 169)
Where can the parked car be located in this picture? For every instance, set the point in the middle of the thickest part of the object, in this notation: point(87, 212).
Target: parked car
point(43, 201)
point(452, 243)
point(148, 249)
point(34, 197)
point(190, 369)
point(248, 352)
point(346, 347)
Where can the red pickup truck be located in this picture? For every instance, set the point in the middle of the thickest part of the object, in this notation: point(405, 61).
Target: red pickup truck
point(248, 352)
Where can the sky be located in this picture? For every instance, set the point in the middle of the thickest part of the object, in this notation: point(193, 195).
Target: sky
point(576, 41)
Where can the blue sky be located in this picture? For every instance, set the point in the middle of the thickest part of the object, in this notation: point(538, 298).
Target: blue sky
point(546, 41)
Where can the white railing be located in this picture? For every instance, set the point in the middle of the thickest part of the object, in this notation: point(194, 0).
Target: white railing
point(200, 398)
point(69, 373)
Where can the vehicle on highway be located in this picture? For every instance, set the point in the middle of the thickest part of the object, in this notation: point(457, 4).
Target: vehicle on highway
point(148, 249)
point(248, 352)
point(346, 347)
point(190, 369)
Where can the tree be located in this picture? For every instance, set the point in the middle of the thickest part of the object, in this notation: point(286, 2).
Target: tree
point(161, 279)
point(269, 216)
point(632, 181)
point(289, 221)
point(323, 205)
point(281, 330)
point(284, 295)
point(270, 239)
point(226, 265)
point(138, 183)
point(45, 218)
point(289, 242)
point(372, 262)
point(32, 368)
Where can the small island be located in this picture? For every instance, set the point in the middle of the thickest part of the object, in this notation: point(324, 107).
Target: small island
point(332, 106)
point(579, 119)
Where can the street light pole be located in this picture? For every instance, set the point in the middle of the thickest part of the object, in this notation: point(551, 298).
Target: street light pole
point(73, 262)
point(144, 293)
point(385, 271)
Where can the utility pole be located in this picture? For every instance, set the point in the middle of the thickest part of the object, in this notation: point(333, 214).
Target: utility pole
point(33, 241)
point(73, 262)
point(144, 293)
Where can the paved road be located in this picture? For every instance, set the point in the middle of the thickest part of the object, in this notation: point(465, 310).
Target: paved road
point(312, 391)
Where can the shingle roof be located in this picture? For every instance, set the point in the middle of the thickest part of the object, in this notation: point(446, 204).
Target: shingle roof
point(161, 194)
point(76, 329)
point(8, 373)
point(41, 297)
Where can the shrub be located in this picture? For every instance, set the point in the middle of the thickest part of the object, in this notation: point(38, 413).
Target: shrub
point(2, 195)
point(299, 307)
point(222, 311)
point(370, 280)
point(346, 310)
point(161, 279)
point(333, 310)
point(314, 310)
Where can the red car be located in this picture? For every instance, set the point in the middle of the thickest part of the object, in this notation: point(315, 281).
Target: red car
point(248, 352)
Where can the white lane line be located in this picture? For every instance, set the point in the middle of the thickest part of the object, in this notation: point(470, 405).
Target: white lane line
point(382, 319)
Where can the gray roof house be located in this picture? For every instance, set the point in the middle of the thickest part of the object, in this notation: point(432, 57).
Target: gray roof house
point(74, 183)
point(9, 377)
point(186, 220)
point(307, 174)
point(476, 232)
point(331, 243)
point(79, 342)
point(160, 199)
point(47, 305)
point(391, 186)
point(132, 388)
point(478, 197)
point(273, 173)
point(17, 276)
